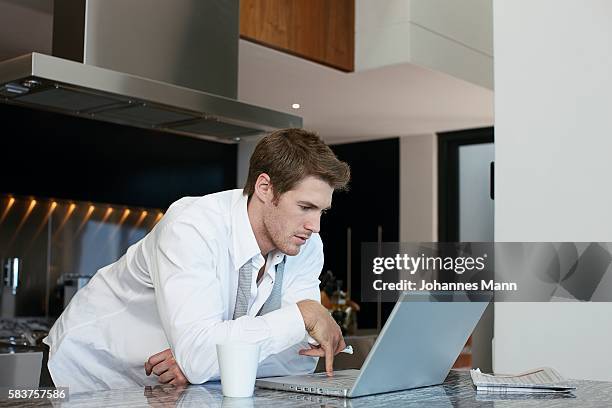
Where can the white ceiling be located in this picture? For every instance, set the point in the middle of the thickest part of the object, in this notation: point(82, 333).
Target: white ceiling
point(397, 100)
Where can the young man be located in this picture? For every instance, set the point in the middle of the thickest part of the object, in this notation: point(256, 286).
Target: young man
point(235, 265)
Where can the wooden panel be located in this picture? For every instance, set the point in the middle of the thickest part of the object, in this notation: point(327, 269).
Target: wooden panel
point(319, 30)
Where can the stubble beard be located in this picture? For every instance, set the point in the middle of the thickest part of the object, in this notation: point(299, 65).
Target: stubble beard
point(274, 231)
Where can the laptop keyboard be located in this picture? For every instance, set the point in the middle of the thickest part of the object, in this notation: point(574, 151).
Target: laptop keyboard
point(339, 380)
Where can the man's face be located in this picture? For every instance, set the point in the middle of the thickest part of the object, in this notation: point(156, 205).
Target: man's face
point(297, 214)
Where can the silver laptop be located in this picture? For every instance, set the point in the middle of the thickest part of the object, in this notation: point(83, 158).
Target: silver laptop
point(416, 348)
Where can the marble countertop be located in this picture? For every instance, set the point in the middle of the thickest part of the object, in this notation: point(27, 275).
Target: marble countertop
point(457, 391)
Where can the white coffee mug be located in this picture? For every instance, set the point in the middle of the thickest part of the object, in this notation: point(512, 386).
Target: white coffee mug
point(238, 363)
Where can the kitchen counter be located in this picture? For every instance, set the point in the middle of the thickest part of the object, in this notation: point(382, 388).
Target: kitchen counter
point(457, 391)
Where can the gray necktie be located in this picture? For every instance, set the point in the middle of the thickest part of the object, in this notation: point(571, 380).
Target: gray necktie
point(245, 274)
point(243, 296)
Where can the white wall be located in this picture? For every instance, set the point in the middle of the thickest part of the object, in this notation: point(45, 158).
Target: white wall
point(454, 37)
point(419, 188)
point(382, 33)
point(553, 93)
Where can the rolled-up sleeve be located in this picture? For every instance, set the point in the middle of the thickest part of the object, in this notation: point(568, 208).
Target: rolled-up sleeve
point(190, 305)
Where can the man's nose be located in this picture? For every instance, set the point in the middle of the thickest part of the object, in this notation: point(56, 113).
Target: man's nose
point(314, 223)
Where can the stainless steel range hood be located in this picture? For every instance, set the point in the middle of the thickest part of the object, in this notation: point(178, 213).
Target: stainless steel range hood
point(144, 63)
point(51, 83)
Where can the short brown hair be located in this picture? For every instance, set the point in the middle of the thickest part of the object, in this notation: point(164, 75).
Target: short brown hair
point(289, 155)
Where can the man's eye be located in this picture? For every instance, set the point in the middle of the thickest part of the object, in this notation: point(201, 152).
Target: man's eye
point(303, 207)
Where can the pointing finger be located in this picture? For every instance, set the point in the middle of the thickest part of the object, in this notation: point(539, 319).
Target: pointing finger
point(329, 360)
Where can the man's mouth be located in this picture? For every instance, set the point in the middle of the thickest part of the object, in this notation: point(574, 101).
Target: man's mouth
point(301, 238)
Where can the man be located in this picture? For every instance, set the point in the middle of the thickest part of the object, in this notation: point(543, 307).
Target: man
point(236, 265)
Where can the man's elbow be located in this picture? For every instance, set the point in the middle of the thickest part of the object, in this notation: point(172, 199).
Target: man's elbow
point(196, 366)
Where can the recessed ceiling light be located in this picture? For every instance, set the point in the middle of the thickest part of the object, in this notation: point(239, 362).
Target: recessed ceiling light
point(296, 106)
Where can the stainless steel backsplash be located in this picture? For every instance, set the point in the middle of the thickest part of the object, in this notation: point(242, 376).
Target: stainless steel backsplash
point(58, 241)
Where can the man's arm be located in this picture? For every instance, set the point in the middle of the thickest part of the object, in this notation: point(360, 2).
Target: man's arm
point(301, 283)
point(190, 306)
point(303, 289)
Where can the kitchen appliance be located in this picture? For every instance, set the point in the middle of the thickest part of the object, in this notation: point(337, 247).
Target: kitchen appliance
point(22, 352)
point(71, 284)
point(166, 65)
point(11, 268)
point(20, 370)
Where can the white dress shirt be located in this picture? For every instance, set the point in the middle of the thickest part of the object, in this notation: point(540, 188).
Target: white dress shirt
point(176, 288)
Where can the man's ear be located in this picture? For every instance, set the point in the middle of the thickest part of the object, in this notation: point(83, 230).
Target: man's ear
point(263, 188)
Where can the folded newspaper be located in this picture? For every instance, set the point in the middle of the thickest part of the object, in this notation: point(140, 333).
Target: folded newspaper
point(540, 380)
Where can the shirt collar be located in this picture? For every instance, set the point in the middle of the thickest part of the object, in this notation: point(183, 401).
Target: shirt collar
point(244, 244)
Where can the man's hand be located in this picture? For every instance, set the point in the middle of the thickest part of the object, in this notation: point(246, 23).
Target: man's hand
point(321, 327)
point(164, 365)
